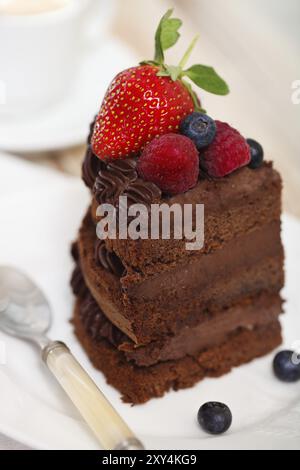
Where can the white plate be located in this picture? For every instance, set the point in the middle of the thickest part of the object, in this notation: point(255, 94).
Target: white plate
point(36, 236)
point(67, 123)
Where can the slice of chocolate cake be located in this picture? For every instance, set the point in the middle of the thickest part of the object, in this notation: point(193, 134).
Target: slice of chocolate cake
point(242, 257)
point(152, 314)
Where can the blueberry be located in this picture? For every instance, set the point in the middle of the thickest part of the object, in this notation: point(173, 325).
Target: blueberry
point(200, 128)
point(214, 417)
point(257, 154)
point(286, 366)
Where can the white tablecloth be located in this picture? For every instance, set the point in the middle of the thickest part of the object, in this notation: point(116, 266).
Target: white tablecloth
point(17, 175)
point(8, 444)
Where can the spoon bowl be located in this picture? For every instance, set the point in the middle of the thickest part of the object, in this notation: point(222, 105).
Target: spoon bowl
point(24, 309)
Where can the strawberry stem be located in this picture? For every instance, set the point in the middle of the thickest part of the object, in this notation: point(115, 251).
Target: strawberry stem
point(187, 54)
point(166, 36)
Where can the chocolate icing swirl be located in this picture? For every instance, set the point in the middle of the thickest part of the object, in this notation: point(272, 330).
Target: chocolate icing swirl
point(75, 252)
point(114, 179)
point(108, 260)
point(77, 283)
point(142, 192)
point(120, 177)
point(90, 167)
point(97, 325)
point(127, 167)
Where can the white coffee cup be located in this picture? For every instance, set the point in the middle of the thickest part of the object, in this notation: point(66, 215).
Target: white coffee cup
point(39, 54)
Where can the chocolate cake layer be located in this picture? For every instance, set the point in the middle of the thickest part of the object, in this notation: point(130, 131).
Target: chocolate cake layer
point(235, 205)
point(213, 330)
point(140, 384)
point(145, 307)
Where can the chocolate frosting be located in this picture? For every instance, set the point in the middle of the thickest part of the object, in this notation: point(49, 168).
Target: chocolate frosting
point(75, 252)
point(214, 330)
point(77, 283)
point(97, 325)
point(95, 322)
point(109, 261)
point(120, 177)
point(114, 179)
point(90, 167)
point(125, 167)
point(142, 192)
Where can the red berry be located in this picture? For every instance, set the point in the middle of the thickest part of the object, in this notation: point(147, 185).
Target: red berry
point(228, 152)
point(171, 162)
point(137, 107)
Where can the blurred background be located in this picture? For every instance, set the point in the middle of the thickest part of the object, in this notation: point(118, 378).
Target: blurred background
point(254, 45)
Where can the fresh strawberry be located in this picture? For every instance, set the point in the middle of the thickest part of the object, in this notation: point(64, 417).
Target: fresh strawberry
point(139, 106)
point(150, 100)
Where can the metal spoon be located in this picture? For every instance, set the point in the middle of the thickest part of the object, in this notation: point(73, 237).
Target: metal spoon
point(25, 313)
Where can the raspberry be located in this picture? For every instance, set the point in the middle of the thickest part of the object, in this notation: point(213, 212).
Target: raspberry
point(228, 152)
point(171, 162)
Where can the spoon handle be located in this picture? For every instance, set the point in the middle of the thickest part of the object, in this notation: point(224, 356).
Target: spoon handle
point(110, 429)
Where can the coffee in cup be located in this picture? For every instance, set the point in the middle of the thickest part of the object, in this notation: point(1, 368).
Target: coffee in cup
point(30, 7)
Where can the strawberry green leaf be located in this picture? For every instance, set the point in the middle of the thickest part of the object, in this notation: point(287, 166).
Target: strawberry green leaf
point(207, 79)
point(169, 33)
point(166, 35)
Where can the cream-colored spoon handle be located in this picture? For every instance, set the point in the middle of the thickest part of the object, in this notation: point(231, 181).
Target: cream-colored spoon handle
point(110, 429)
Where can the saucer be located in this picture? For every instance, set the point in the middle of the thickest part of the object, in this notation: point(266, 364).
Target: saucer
point(66, 123)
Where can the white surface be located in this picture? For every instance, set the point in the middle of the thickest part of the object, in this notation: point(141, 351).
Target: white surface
point(6, 443)
point(37, 226)
point(66, 124)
